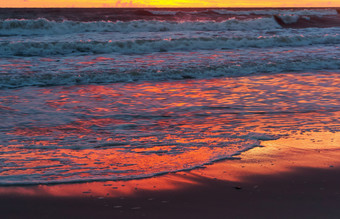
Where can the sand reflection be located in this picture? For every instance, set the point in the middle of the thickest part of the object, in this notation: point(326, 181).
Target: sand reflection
point(313, 149)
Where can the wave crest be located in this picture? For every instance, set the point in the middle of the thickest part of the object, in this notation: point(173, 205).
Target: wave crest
point(160, 45)
point(44, 26)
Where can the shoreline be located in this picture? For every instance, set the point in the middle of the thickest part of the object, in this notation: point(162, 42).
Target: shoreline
point(295, 176)
point(183, 113)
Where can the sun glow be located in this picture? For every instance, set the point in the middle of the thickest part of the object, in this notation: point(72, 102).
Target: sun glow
point(166, 3)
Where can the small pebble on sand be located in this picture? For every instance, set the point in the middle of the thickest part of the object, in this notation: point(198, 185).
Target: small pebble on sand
point(136, 208)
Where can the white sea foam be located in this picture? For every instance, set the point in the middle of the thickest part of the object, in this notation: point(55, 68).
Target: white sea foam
point(44, 26)
point(49, 48)
point(34, 71)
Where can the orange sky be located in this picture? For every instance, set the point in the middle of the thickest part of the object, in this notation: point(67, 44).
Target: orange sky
point(169, 3)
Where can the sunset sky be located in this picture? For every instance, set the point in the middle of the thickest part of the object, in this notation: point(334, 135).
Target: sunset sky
point(169, 3)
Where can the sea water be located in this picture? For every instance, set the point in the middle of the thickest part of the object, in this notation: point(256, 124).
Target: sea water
point(118, 94)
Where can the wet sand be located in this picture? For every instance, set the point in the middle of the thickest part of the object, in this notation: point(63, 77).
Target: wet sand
point(292, 177)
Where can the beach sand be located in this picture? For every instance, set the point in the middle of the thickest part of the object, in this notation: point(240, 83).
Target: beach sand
point(297, 176)
point(130, 93)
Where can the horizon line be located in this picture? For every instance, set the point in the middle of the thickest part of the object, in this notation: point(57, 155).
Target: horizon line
point(241, 7)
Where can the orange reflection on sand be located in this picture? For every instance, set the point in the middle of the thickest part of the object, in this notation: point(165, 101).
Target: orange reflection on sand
point(106, 189)
point(311, 149)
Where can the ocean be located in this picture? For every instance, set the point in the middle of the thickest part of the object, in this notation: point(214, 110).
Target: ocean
point(119, 94)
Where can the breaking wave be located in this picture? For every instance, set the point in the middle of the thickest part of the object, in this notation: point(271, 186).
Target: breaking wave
point(97, 70)
point(44, 26)
point(161, 45)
